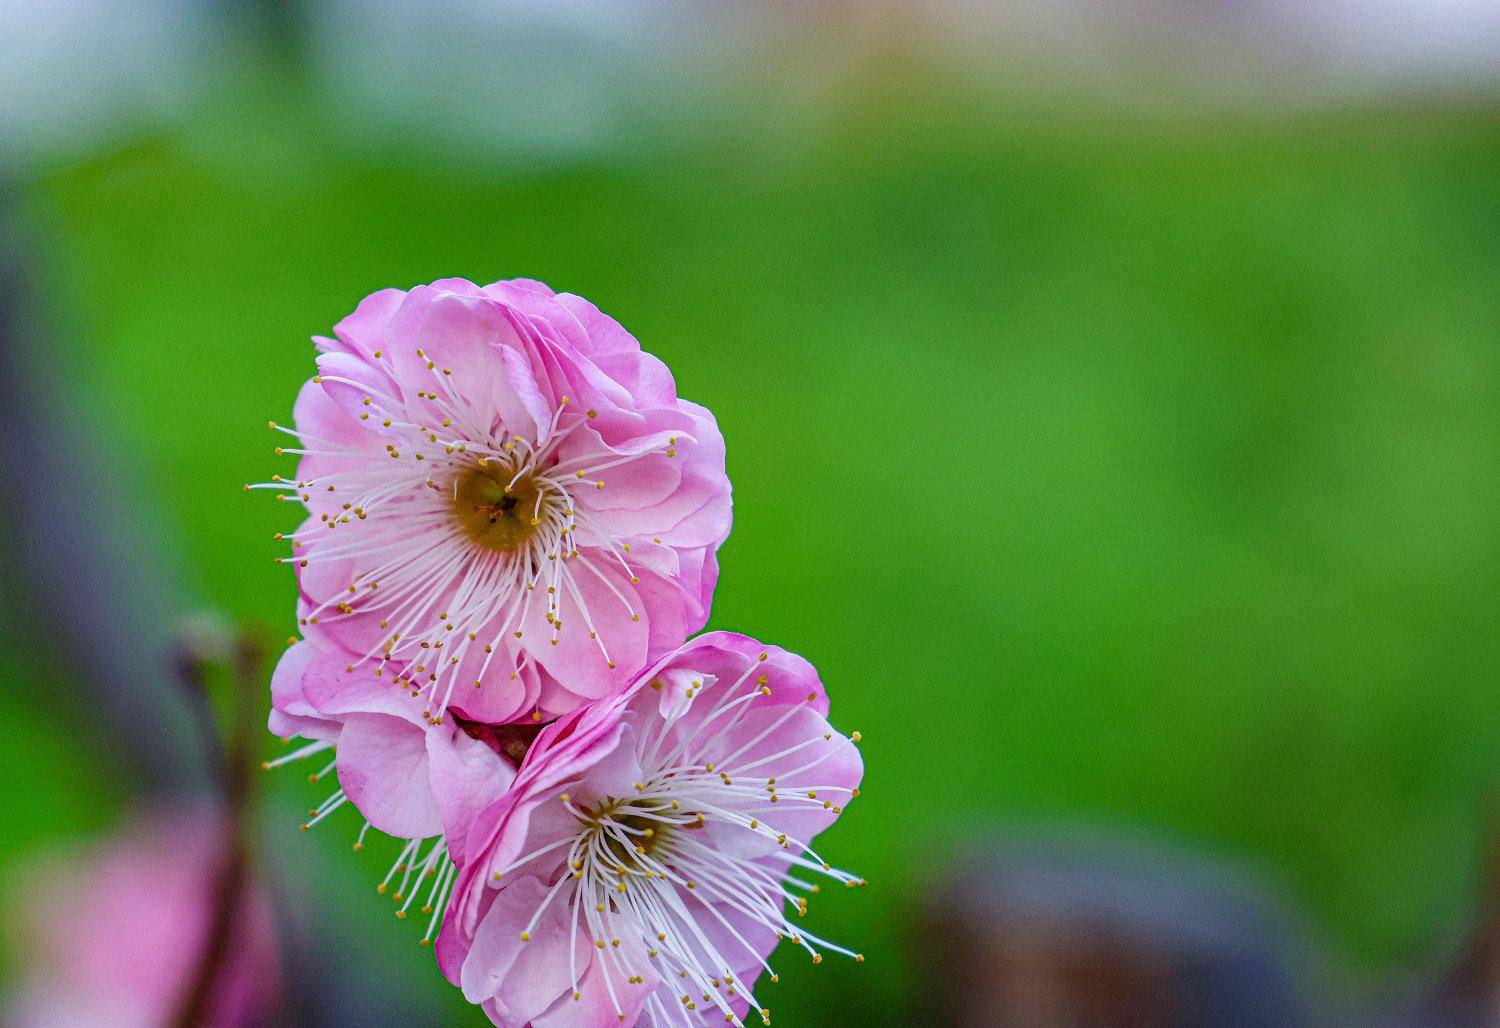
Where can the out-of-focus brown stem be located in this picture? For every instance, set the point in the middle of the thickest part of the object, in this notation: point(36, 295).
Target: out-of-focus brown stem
point(1470, 986)
point(230, 885)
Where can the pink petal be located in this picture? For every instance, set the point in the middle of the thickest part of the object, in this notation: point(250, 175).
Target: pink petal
point(467, 776)
point(291, 711)
point(525, 978)
point(576, 658)
point(335, 691)
point(383, 768)
point(363, 332)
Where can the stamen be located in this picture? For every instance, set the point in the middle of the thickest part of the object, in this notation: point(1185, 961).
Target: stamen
point(643, 884)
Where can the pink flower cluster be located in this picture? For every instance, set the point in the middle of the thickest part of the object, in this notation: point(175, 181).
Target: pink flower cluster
point(511, 533)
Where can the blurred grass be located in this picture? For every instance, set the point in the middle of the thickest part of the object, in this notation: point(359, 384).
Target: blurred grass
point(1109, 467)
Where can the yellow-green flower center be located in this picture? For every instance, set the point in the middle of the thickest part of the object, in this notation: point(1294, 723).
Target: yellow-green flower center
point(644, 833)
point(498, 510)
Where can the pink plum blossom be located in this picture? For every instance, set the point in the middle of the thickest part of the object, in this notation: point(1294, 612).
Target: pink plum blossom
point(511, 511)
point(115, 936)
point(642, 862)
point(410, 779)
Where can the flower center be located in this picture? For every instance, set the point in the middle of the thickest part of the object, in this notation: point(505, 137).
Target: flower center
point(498, 509)
point(627, 832)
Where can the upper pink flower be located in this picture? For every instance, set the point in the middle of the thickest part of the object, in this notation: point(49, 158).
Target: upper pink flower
point(642, 860)
point(512, 511)
point(115, 936)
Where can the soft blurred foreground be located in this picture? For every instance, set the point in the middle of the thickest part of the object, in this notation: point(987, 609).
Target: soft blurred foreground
point(1111, 394)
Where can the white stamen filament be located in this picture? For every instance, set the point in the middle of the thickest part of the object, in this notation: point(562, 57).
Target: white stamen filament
point(641, 884)
point(410, 863)
point(438, 594)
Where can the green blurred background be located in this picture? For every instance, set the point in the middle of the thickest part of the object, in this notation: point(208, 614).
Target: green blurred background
point(1120, 456)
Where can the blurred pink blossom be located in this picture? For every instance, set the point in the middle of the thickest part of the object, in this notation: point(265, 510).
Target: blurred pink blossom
point(115, 936)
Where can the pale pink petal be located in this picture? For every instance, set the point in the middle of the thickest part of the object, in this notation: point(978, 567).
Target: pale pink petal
point(467, 775)
point(334, 690)
point(605, 630)
point(382, 767)
point(363, 332)
point(292, 713)
point(595, 1008)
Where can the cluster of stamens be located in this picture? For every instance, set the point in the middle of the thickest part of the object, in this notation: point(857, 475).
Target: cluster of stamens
point(631, 873)
point(457, 534)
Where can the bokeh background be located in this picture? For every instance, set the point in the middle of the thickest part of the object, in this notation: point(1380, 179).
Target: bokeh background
point(1111, 392)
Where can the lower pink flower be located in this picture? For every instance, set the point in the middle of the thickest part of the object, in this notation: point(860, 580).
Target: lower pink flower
point(642, 864)
point(115, 937)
